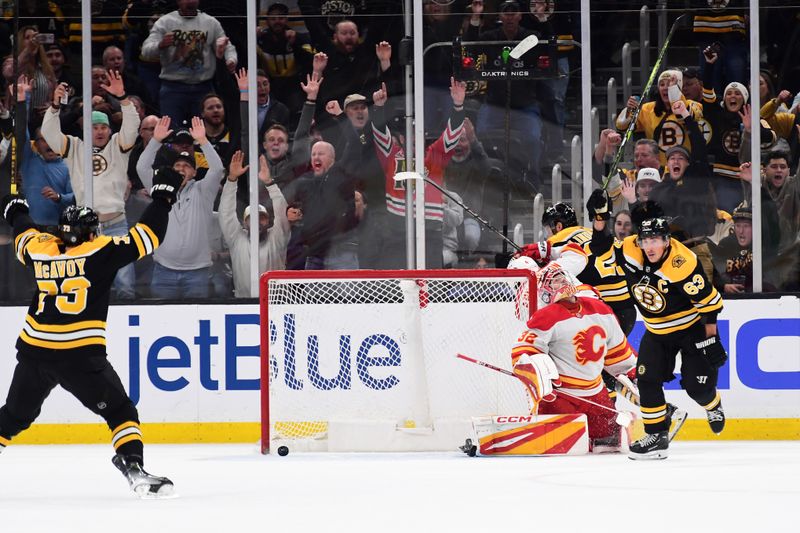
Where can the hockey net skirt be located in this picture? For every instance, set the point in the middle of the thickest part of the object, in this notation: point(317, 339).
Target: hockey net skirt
point(366, 360)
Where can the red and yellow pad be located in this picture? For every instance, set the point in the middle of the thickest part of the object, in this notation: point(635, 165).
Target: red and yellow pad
point(531, 435)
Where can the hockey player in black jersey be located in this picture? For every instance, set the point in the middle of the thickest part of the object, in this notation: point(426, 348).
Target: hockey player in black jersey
point(63, 341)
point(679, 307)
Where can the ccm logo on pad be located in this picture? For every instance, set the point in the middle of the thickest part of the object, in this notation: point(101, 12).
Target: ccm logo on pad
point(507, 419)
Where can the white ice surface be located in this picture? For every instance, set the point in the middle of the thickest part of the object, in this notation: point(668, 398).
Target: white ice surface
point(705, 487)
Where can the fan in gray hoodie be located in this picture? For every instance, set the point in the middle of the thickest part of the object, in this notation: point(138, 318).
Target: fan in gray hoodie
point(272, 240)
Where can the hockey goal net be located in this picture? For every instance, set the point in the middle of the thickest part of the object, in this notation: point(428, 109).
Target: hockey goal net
point(366, 360)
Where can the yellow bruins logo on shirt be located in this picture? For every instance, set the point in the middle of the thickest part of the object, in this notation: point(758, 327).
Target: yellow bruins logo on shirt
point(99, 164)
point(706, 129)
point(649, 297)
point(671, 134)
point(731, 141)
point(677, 261)
point(641, 370)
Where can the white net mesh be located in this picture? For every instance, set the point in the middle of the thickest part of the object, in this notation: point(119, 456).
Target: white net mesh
point(385, 349)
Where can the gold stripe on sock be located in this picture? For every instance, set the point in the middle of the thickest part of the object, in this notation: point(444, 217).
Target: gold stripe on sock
point(714, 403)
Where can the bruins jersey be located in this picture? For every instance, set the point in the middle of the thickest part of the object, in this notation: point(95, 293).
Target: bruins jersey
point(68, 313)
point(722, 129)
point(570, 249)
point(666, 129)
point(671, 295)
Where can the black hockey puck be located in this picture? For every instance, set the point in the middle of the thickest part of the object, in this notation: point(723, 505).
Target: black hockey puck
point(283, 451)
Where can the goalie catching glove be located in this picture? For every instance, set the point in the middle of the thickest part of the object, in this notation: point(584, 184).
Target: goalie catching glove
point(166, 184)
point(598, 205)
point(539, 374)
point(11, 205)
point(713, 351)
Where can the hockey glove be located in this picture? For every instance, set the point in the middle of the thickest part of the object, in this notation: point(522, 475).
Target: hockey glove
point(166, 183)
point(538, 251)
point(11, 205)
point(713, 351)
point(539, 374)
point(598, 205)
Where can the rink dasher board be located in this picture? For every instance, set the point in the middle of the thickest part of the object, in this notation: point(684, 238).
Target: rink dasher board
point(193, 371)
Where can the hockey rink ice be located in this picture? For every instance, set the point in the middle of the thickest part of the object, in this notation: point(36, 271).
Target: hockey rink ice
point(724, 486)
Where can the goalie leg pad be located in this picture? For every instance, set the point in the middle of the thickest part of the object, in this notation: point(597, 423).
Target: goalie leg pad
point(531, 435)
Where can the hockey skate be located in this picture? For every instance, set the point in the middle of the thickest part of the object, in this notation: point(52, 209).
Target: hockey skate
point(651, 446)
point(678, 417)
point(716, 419)
point(144, 485)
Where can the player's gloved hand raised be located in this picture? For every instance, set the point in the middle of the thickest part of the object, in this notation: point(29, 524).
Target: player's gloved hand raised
point(11, 205)
point(598, 205)
point(538, 251)
point(166, 183)
point(713, 351)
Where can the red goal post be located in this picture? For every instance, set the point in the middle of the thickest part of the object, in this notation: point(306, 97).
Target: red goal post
point(365, 360)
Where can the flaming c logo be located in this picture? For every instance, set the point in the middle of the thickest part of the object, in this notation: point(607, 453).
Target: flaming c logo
point(589, 345)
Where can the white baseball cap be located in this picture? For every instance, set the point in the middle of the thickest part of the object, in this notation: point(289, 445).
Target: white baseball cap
point(261, 209)
point(648, 174)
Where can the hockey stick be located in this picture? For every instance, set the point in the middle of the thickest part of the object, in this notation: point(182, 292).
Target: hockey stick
point(645, 90)
point(406, 176)
point(625, 388)
point(623, 418)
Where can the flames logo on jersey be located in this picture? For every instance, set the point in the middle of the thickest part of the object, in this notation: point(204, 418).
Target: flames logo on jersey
point(589, 344)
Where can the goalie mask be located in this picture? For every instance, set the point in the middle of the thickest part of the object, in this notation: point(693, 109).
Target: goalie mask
point(554, 285)
point(76, 224)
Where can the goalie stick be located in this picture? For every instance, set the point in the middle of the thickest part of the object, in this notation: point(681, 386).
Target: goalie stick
point(645, 90)
point(623, 418)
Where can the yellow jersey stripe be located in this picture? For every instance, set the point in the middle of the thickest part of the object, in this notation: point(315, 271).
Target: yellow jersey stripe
point(22, 241)
point(153, 238)
point(65, 328)
point(647, 421)
point(137, 240)
point(665, 330)
point(670, 318)
point(618, 359)
point(580, 383)
point(62, 345)
point(4, 442)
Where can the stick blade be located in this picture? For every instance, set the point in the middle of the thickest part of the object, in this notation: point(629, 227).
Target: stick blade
point(524, 46)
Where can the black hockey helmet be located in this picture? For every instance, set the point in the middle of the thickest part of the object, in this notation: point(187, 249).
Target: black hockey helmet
point(559, 212)
point(76, 223)
point(654, 227)
point(644, 211)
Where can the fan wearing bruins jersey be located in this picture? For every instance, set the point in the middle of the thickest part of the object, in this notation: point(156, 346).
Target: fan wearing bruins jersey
point(656, 119)
point(63, 340)
point(679, 306)
point(568, 245)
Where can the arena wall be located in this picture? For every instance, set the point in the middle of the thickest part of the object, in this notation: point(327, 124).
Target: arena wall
point(193, 371)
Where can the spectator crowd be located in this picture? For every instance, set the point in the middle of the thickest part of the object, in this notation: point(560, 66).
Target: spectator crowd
point(168, 89)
